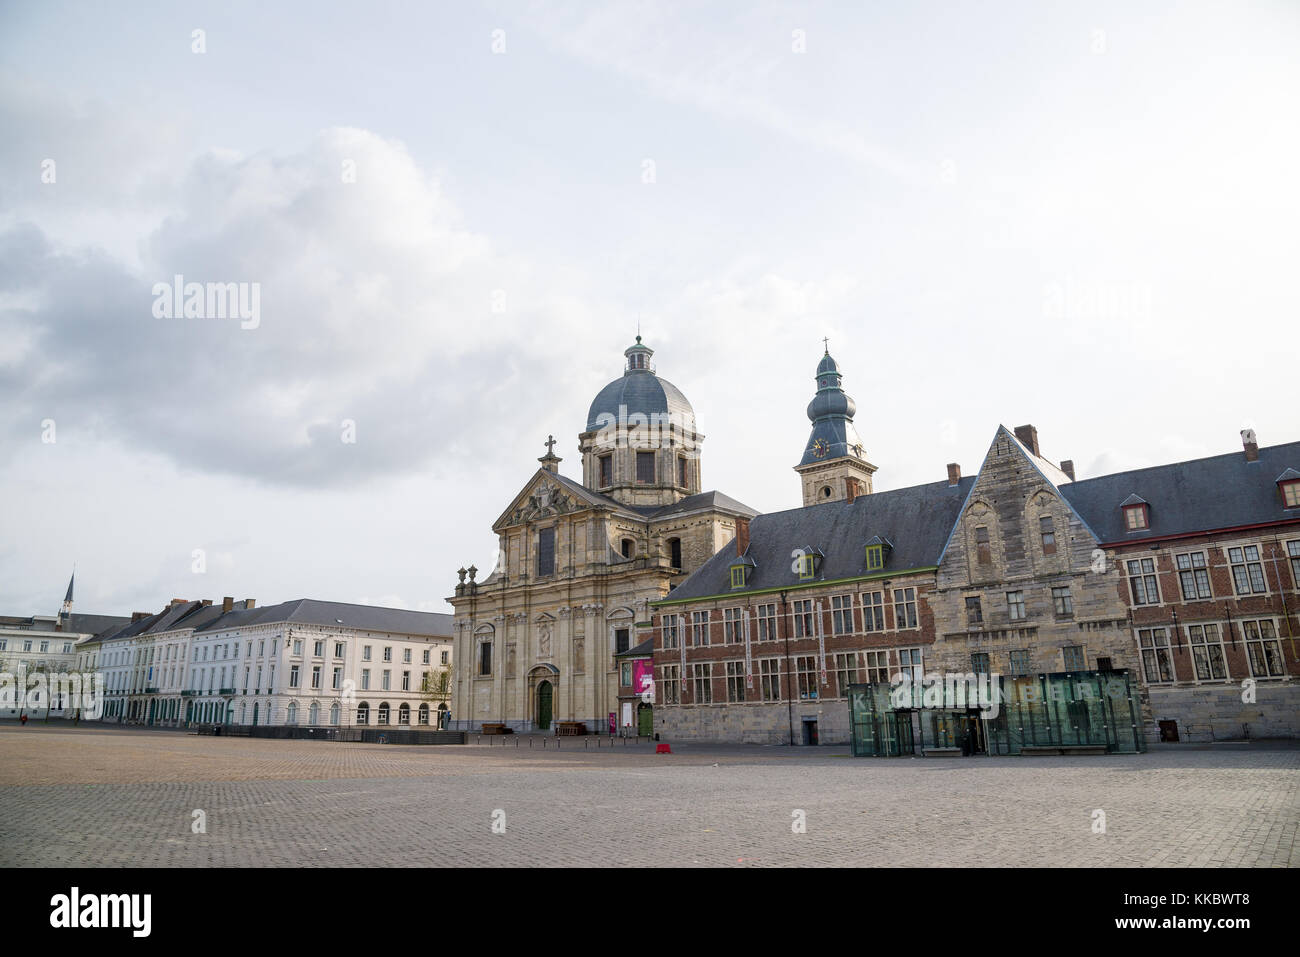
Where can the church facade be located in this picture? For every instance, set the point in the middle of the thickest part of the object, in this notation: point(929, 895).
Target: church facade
point(538, 641)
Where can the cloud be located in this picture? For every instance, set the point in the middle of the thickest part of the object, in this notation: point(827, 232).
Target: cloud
point(379, 307)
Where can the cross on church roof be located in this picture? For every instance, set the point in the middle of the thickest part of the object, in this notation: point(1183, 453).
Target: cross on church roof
point(826, 341)
point(550, 445)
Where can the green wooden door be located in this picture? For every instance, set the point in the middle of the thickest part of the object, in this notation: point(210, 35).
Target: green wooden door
point(544, 692)
point(645, 719)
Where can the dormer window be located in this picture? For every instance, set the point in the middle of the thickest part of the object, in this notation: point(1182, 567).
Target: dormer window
point(806, 561)
point(740, 571)
point(1288, 483)
point(878, 550)
point(1137, 514)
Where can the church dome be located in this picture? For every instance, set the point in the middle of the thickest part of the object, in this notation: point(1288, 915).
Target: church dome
point(639, 391)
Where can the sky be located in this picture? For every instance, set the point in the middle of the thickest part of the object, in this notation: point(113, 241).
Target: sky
point(457, 216)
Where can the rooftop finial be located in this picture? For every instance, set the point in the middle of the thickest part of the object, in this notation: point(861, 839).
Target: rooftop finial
point(826, 342)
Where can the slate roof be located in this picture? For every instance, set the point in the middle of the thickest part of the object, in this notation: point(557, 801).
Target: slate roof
point(640, 391)
point(1222, 491)
point(917, 520)
point(94, 624)
point(644, 650)
point(705, 501)
point(309, 611)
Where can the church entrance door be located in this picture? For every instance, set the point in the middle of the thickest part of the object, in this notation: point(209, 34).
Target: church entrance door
point(544, 693)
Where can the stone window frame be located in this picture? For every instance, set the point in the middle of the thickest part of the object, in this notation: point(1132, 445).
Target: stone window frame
point(1192, 569)
point(769, 678)
point(1260, 639)
point(839, 614)
point(873, 611)
point(847, 666)
point(736, 678)
point(733, 626)
point(670, 630)
point(670, 681)
point(1207, 645)
point(1152, 641)
point(701, 682)
point(1016, 606)
point(1147, 578)
point(914, 619)
point(806, 677)
point(803, 623)
point(1247, 564)
point(765, 621)
point(978, 608)
point(1062, 604)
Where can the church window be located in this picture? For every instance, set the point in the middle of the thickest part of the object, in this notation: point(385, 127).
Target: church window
point(626, 547)
point(675, 552)
point(620, 641)
point(682, 472)
point(984, 554)
point(485, 658)
point(606, 471)
point(1048, 534)
point(645, 468)
point(546, 551)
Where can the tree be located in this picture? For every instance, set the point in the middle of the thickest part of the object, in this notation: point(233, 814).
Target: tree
point(436, 686)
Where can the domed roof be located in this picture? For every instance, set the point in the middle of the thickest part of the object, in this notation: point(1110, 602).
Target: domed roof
point(827, 365)
point(639, 391)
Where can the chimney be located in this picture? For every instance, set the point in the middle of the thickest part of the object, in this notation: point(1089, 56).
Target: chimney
point(250, 602)
point(1028, 436)
point(139, 615)
point(178, 601)
point(852, 487)
point(742, 535)
point(1250, 445)
point(227, 603)
point(205, 602)
point(1068, 468)
point(954, 473)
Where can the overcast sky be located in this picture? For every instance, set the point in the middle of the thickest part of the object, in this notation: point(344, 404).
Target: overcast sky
point(1081, 216)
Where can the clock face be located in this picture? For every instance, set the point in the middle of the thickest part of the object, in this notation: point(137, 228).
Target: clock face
point(820, 448)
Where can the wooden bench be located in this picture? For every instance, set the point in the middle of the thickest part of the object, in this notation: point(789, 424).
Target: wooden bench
point(570, 727)
point(498, 729)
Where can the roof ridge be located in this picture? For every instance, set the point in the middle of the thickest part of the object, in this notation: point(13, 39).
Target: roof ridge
point(1166, 465)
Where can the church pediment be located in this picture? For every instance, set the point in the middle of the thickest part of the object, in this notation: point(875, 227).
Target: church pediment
point(543, 497)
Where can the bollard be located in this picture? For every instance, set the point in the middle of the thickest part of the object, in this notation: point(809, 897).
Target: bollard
point(530, 742)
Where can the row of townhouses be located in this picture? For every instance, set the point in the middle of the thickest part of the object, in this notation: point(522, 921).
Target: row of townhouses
point(303, 662)
point(1110, 611)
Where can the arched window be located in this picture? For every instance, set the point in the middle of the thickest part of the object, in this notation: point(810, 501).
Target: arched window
point(383, 713)
point(314, 714)
point(292, 717)
point(363, 713)
point(404, 714)
point(424, 714)
point(334, 714)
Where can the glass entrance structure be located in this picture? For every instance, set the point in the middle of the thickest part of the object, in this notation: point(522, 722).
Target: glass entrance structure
point(1085, 709)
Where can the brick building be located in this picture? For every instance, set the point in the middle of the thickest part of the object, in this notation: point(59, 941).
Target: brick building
point(1180, 581)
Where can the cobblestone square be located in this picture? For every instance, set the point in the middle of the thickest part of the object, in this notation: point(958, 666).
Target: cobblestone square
point(115, 797)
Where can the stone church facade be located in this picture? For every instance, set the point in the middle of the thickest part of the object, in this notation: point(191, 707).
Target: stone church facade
point(579, 563)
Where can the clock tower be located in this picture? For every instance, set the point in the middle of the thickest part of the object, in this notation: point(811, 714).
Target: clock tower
point(834, 466)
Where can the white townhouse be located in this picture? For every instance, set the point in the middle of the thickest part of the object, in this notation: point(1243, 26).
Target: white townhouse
point(302, 662)
point(48, 644)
